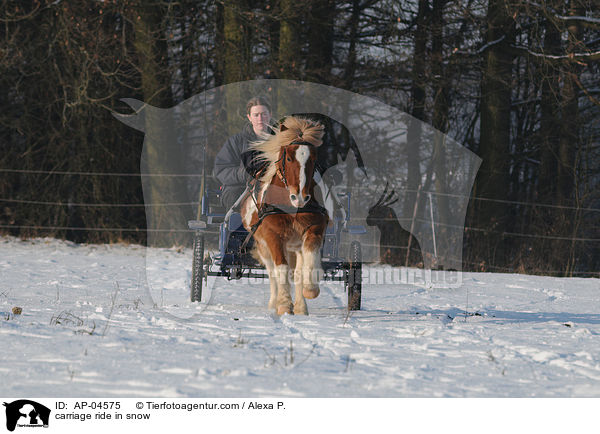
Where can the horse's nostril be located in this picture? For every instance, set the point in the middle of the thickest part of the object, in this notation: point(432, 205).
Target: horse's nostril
point(293, 197)
point(307, 198)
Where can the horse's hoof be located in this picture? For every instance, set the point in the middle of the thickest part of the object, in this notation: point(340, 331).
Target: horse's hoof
point(311, 292)
point(300, 310)
point(285, 309)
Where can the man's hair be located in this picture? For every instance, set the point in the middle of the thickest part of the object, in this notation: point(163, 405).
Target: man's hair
point(257, 100)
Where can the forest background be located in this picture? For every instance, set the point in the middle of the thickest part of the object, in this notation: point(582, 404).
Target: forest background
point(517, 82)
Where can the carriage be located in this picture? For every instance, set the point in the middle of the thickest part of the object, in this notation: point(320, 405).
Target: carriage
point(235, 259)
point(234, 262)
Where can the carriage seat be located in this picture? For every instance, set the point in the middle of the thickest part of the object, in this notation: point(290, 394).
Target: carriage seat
point(235, 221)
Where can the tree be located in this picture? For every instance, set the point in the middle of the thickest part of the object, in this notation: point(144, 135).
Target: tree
point(495, 124)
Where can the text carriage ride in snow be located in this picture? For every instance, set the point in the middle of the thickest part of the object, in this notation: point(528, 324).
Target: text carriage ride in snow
point(282, 227)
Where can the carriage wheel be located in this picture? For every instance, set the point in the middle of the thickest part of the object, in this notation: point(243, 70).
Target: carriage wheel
point(354, 282)
point(197, 268)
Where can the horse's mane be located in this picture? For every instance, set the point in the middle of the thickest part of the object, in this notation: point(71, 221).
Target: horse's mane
point(296, 128)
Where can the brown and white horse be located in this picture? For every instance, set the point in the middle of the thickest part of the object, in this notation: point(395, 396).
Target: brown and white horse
point(291, 240)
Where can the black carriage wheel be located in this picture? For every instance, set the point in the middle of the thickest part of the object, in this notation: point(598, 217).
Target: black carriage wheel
point(354, 283)
point(197, 268)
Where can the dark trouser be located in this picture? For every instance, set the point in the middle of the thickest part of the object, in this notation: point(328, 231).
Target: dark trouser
point(230, 194)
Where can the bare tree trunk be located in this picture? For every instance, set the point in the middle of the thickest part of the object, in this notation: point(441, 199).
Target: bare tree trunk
point(493, 177)
point(418, 94)
point(569, 137)
point(440, 113)
point(569, 144)
point(219, 53)
point(320, 41)
point(237, 43)
point(151, 47)
point(236, 59)
point(550, 116)
point(546, 219)
point(348, 77)
point(273, 29)
point(290, 44)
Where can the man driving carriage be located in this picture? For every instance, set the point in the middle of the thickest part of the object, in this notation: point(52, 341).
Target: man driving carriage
point(235, 164)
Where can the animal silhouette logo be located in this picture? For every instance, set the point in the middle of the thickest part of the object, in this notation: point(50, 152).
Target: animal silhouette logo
point(397, 246)
point(27, 413)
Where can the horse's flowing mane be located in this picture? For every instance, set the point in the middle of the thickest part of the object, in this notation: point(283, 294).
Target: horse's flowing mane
point(299, 129)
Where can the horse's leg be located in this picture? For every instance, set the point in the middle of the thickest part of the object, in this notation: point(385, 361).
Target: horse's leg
point(281, 274)
point(284, 298)
point(265, 258)
point(311, 261)
point(299, 301)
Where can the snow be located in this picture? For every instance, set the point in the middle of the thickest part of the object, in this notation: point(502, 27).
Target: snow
point(89, 328)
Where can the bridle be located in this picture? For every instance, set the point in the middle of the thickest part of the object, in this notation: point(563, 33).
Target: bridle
point(281, 173)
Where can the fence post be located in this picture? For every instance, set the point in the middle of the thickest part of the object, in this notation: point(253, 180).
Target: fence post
point(432, 228)
point(412, 224)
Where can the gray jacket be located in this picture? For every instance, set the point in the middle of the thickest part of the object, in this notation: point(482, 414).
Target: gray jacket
point(229, 169)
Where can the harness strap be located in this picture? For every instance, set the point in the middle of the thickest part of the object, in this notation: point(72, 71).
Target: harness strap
point(282, 177)
point(261, 216)
point(267, 210)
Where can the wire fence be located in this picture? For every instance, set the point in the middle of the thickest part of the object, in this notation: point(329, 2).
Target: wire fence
point(173, 204)
point(61, 172)
point(99, 229)
point(466, 229)
point(185, 175)
point(104, 205)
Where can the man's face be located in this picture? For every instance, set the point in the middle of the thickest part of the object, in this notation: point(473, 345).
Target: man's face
point(259, 117)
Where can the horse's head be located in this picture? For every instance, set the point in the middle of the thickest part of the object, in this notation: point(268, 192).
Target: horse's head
point(292, 154)
point(296, 167)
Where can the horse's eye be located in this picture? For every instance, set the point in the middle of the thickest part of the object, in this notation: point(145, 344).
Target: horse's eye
point(288, 159)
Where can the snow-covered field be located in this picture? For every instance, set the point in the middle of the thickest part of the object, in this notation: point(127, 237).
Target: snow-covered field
point(89, 328)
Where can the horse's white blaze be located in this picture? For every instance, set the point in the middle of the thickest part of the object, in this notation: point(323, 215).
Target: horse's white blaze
point(302, 154)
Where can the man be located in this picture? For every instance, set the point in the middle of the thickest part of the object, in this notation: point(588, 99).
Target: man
point(229, 168)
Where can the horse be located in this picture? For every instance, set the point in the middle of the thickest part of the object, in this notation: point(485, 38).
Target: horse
point(283, 216)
